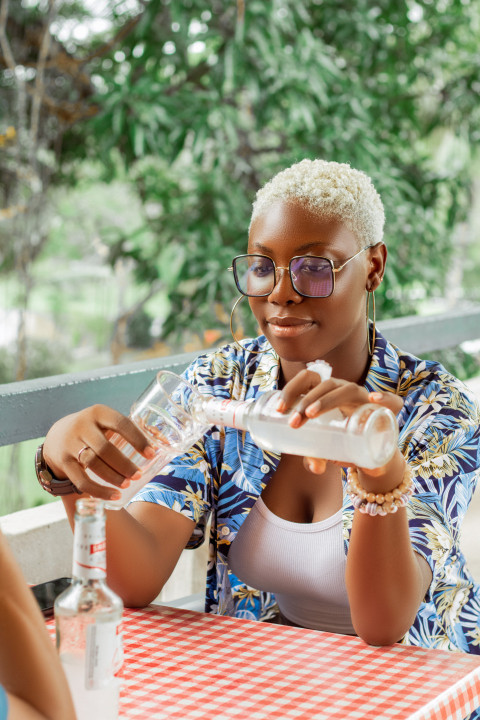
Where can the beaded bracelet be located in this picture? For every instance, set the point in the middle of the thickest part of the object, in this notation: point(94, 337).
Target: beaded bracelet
point(378, 503)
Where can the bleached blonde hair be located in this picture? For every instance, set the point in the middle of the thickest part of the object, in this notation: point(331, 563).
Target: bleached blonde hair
point(329, 190)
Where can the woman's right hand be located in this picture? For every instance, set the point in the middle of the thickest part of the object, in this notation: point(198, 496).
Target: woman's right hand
point(90, 429)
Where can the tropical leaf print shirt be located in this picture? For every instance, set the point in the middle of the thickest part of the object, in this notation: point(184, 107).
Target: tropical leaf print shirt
point(223, 474)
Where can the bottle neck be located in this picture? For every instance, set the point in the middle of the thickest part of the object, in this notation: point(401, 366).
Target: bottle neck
point(225, 412)
point(89, 549)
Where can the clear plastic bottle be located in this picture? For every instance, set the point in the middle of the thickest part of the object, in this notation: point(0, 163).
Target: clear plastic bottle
point(88, 617)
point(367, 438)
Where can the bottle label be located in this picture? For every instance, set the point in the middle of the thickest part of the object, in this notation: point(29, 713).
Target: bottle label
point(230, 413)
point(104, 653)
point(89, 550)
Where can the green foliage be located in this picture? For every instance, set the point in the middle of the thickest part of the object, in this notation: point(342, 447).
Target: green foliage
point(204, 105)
point(7, 366)
point(19, 487)
point(138, 330)
point(462, 364)
point(201, 104)
point(43, 359)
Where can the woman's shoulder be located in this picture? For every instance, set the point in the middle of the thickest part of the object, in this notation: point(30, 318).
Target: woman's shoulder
point(430, 382)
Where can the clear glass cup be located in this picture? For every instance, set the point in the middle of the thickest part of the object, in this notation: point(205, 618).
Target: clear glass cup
point(163, 413)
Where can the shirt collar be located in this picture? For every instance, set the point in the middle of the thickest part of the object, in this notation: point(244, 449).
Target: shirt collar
point(264, 366)
point(383, 374)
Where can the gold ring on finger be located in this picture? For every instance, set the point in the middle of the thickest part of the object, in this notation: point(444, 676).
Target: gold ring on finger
point(79, 456)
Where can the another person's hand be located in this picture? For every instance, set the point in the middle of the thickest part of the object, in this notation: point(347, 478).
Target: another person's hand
point(81, 441)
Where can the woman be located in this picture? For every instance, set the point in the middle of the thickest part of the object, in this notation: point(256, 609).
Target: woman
point(32, 683)
point(284, 525)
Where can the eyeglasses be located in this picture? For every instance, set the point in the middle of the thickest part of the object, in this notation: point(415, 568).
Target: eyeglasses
point(310, 275)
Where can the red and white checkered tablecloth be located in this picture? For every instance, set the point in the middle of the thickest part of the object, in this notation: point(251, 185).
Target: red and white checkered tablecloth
point(184, 665)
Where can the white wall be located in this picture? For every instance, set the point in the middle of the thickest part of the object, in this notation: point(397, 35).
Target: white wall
point(42, 543)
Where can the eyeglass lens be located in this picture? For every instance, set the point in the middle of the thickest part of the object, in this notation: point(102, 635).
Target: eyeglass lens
point(311, 276)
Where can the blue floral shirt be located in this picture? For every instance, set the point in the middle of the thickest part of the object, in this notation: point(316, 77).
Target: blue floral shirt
point(224, 473)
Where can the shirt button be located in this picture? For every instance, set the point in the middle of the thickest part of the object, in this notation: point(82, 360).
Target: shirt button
point(225, 530)
point(264, 469)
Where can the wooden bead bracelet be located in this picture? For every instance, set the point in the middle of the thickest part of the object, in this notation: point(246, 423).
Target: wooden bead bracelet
point(379, 503)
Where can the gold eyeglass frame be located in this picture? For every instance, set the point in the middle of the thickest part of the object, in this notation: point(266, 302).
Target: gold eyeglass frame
point(289, 268)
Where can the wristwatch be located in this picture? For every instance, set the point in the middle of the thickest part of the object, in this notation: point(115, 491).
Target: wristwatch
point(53, 485)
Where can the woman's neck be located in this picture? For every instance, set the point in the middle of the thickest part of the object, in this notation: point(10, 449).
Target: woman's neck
point(351, 369)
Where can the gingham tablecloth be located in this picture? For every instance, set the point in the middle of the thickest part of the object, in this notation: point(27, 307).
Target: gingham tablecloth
point(185, 665)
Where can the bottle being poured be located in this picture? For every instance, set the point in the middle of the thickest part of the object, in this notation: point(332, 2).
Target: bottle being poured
point(366, 438)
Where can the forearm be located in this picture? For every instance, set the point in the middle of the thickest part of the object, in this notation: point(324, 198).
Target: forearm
point(386, 579)
point(31, 672)
point(19, 709)
point(29, 667)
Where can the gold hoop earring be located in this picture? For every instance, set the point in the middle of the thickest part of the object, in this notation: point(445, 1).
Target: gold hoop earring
point(371, 345)
point(237, 344)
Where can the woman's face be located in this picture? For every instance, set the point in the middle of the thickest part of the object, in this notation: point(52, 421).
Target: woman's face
point(303, 329)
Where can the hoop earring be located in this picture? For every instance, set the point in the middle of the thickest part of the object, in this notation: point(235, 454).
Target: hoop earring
point(237, 344)
point(371, 345)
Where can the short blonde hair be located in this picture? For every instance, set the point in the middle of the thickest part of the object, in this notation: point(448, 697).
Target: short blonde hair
point(329, 190)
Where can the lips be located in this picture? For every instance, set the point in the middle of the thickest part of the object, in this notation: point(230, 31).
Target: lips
point(284, 326)
point(286, 321)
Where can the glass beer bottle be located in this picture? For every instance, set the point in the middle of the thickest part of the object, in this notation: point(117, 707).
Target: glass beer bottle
point(88, 618)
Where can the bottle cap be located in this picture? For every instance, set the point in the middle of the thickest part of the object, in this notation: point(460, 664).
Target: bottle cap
point(320, 367)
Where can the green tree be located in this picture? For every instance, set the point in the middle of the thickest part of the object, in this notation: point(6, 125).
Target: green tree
point(46, 90)
point(201, 105)
point(204, 105)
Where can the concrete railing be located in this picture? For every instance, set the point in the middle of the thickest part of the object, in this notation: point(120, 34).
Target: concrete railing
point(40, 537)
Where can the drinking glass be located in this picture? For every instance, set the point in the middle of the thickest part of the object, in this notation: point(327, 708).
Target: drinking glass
point(163, 414)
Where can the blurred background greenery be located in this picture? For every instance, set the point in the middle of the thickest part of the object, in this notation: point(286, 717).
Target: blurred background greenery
point(135, 133)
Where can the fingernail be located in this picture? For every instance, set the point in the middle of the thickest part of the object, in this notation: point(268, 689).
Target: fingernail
point(295, 420)
point(125, 484)
point(115, 495)
point(375, 396)
point(282, 406)
point(313, 409)
point(135, 476)
point(316, 466)
point(149, 452)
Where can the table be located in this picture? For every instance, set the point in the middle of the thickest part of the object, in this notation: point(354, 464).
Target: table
point(186, 665)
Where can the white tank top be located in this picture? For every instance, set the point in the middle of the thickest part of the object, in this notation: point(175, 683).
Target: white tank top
point(302, 564)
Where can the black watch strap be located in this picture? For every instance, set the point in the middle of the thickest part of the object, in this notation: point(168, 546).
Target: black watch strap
point(53, 485)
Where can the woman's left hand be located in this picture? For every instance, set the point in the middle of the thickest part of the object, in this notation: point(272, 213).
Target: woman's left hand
point(307, 396)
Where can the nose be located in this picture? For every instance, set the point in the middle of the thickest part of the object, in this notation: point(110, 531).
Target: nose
point(283, 293)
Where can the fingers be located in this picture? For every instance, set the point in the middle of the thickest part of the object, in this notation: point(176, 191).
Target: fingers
point(387, 399)
point(110, 464)
point(111, 421)
point(94, 431)
point(315, 465)
point(307, 396)
point(106, 452)
point(86, 485)
point(326, 396)
point(300, 385)
point(79, 474)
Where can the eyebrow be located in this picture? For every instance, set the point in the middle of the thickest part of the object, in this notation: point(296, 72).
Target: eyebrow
point(300, 250)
